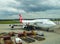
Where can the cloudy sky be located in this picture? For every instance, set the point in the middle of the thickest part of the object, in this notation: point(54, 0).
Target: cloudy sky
point(10, 9)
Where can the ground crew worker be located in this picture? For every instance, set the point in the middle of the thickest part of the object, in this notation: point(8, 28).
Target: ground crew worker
point(25, 34)
point(34, 33)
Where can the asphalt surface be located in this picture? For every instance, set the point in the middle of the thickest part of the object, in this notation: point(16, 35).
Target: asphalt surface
point(50, 37)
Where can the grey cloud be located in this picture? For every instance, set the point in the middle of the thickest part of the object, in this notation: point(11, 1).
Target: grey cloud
point(38, 5)
point(7, 13)
point(44, 7)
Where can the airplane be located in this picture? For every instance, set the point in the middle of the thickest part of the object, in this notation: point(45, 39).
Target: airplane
point(43, 23)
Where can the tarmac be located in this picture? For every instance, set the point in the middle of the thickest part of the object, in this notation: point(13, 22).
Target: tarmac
point(50, 37)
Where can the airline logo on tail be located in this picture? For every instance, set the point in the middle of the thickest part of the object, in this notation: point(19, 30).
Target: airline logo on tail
point(20, 18)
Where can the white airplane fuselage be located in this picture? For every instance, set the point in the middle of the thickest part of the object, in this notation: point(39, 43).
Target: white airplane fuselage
point(44, 23)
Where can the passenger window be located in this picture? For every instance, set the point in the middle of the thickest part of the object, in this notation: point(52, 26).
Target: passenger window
point(41, 22)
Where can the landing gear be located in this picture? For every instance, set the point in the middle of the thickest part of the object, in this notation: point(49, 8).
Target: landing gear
point(29, 27)
point(12, 27)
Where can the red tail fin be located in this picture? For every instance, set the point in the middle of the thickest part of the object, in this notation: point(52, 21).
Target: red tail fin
point(20, 18)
